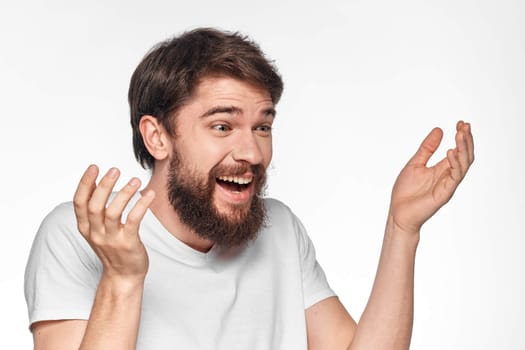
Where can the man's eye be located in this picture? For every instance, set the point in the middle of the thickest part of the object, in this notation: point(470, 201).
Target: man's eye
point(221, 127)
point(265, 128)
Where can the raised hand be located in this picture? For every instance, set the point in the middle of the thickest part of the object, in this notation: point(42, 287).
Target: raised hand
point(117, 245)
point(420, 191)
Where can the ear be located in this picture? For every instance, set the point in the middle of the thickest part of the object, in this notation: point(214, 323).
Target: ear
point(155, 137)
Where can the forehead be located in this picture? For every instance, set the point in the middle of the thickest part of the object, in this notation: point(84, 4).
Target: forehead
point(222, 88)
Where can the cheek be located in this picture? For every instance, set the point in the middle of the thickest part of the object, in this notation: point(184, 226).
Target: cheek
point(199, 154)
point(208, 154)
point(266, 148)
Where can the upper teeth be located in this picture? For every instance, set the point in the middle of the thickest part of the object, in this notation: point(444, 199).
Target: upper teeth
point(238, 180)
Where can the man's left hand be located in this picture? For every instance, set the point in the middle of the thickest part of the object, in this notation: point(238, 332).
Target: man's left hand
point(420, 191)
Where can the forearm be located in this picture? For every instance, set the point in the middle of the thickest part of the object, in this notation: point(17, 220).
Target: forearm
point(115, 316)
point(386, 322)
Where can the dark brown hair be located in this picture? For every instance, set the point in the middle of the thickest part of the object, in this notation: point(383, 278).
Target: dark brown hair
point(168, 75)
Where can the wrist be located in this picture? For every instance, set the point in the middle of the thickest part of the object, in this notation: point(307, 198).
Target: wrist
point(121, 286)
point(397, 232)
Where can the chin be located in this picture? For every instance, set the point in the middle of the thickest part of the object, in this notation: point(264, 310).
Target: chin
point(234, 212)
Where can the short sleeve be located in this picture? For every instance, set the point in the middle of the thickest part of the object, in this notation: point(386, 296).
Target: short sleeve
point(62, 271)
point(315, 285)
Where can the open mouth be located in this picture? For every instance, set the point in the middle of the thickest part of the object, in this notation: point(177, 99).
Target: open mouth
point(234, 183)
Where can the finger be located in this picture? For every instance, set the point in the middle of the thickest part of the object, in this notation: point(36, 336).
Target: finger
point(427, 147)
point(462, 149)
point(459, 125)
point(466, 129)
point(448, 177)
point(97, 204)
point(114, 210)
point(455, 167)
point(470, 143)
point(136, 214)
point(83, 193)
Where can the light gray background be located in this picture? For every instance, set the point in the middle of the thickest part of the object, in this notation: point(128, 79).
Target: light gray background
point(365, 81)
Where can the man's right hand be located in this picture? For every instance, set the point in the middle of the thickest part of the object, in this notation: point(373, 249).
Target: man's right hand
point(117, 244)
point(115, 316)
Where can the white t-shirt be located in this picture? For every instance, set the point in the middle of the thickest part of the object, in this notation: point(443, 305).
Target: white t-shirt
point(250, 298)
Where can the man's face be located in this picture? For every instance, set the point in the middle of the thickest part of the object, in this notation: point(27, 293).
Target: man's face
point(222, 147)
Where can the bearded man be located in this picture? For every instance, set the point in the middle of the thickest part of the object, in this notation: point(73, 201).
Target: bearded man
point(198, 259)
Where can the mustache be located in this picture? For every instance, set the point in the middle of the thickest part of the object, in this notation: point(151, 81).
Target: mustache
point(240, 168)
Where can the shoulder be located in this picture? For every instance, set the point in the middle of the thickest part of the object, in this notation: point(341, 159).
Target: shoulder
point(62, 271)
point(282, 219)
point(275, 209)
point(60, 220)
point(58, 235)
point(279, 215)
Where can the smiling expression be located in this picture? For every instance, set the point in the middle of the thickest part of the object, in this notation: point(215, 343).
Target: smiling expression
point(222, 147)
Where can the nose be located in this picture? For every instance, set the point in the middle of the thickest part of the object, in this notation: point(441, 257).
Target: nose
point(247, 148)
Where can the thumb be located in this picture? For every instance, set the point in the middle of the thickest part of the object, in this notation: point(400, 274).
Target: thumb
point(427, 148)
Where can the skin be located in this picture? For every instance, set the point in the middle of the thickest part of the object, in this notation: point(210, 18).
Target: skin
point(232, 122)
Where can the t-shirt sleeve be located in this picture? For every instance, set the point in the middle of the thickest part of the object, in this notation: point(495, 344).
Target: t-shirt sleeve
point(62, 271)
point(315, 285)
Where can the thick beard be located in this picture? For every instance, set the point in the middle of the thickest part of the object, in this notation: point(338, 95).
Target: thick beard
point(192, 199)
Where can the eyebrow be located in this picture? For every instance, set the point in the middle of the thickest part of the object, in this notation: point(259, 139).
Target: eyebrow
point(234, 110)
